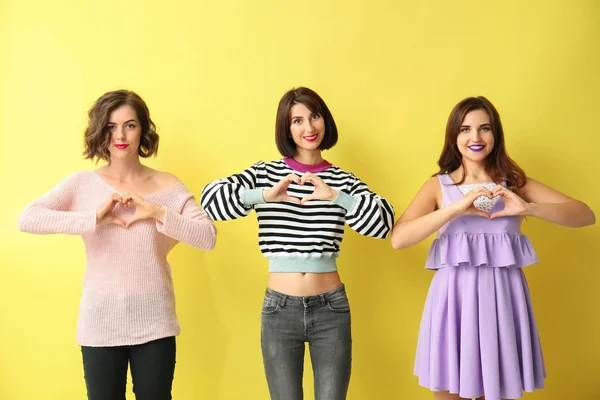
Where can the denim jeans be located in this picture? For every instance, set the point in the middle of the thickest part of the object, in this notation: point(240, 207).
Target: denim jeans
point(152, 369)
point(322, 321)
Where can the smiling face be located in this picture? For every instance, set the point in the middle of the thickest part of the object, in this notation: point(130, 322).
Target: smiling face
point(125, 133)
point(307, 129)
point(475, 140)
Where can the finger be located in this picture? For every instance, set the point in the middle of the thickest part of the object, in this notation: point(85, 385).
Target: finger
point(498, 214)
point(294, 178)
point(481, 214)
point(289, 179)
point(473, 195)
point(114, 198)
point(486, 192)
point(308, 177)
point(283, 184)
point(118, 221)
point(482, 192)
point(132, 198)
point(474, 211)
point(508, 194)
point(308, 198)
point(108, 206)
point(131, 221)
point(499, 190)
point(315, 180)
point(291, 199)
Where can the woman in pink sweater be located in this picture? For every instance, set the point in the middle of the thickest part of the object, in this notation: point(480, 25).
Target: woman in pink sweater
point(129, 216)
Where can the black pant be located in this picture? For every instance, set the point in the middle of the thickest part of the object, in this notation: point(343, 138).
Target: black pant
point(152, 369)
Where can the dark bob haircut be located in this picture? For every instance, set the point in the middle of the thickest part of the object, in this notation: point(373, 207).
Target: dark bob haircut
point(314, 102)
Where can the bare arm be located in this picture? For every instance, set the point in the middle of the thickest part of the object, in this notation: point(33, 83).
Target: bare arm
point(423, 217)
point(553, 206)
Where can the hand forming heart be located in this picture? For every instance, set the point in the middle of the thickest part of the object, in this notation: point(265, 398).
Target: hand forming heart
point(279, 191)
point(143, 210)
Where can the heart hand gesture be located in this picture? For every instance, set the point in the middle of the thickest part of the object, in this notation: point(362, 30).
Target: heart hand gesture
point(513, 204)
point(105, 214)
point(143, 209)
point(279, 191)
point(322, 190)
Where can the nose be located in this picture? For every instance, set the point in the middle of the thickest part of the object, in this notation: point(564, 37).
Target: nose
point(309, 127)
point(119, 132)
point(475, 136)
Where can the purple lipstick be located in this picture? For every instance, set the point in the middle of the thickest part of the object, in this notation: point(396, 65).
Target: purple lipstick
point(476, 147)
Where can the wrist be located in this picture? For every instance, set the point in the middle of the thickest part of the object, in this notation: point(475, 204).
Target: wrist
point(158, 213)
point(265, 194)
point(333, 195)
point(530, 210)
point(453, 210)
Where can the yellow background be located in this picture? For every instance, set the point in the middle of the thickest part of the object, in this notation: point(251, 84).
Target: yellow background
point(212, 73)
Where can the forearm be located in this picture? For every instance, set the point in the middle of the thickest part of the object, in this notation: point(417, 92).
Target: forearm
point(42, 220)
point(196, 230)
point(408, 233)
point(573, 214)
point(368, 215)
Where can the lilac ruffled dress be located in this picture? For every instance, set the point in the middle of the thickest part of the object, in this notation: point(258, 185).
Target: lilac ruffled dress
point(478, 334)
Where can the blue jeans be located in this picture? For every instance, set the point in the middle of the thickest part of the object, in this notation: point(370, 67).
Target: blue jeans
point(152, 369)
point(322, 321)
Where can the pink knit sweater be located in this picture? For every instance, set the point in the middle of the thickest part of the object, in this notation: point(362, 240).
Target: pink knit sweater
point(128, 295)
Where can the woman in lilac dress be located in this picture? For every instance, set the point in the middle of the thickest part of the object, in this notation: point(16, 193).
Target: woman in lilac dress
point(478, 336)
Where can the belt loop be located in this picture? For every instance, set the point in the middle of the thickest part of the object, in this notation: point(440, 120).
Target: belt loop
point(322, 297)
point(282, 300)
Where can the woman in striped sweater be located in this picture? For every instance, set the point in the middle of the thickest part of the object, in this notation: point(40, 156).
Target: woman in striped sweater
point(129, 217)
point(302, 202)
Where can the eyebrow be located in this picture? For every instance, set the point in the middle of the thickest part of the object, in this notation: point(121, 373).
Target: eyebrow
point(468, 126)
point(114, 123)
point(297, 116)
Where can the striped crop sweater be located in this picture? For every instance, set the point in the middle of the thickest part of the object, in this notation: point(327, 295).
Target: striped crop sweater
point(294, 237)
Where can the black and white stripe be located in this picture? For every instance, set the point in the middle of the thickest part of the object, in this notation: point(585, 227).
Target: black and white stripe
point(315, 228)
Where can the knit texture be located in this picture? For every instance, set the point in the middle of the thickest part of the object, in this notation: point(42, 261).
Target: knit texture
point(128, 295)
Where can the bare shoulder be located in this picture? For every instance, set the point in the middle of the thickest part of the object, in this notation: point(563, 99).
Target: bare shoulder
point(432, 191)
point(427, 200)
point(163, 179)
point(432, 184)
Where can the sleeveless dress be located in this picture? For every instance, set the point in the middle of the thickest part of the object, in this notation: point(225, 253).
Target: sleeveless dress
point(478, 335)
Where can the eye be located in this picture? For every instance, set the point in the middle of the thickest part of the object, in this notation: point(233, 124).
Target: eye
point(315, 116)
point(464, 129)
point(111, 128)
point(130, 126)
point(296, 121)
point(486, 129)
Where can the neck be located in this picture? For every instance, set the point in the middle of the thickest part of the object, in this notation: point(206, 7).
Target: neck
point(308, 157)
point(474, 170)
point(125, 169)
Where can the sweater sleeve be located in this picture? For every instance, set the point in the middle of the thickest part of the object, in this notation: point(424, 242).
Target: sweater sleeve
point(55, 212)
point(235, 196)
point(366, 212)
point(192, 226)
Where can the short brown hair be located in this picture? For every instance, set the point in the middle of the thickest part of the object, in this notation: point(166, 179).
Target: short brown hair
point(498, 165)
point(97, 134)
point(314, 102)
